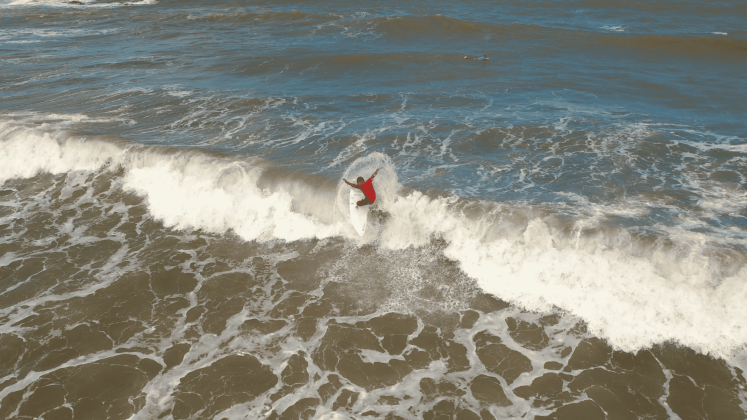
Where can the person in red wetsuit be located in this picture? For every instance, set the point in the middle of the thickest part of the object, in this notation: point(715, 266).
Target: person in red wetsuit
point(366, 187)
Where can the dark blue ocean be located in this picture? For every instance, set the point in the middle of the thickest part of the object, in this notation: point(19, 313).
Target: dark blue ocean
point(562, 198)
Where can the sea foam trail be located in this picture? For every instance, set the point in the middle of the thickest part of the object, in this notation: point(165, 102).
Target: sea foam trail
point(632, 298)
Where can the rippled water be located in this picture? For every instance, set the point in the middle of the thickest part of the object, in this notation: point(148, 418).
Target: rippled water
point(560, 231)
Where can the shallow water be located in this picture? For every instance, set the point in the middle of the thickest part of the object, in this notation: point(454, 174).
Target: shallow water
point(560, 231)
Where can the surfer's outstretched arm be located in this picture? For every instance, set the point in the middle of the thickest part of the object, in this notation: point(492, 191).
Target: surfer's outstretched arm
point(375, 172)
point(351, 184)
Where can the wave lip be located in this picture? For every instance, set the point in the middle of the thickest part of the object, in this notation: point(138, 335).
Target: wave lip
point(185, 190)
point(25, 153)
point(193, 191)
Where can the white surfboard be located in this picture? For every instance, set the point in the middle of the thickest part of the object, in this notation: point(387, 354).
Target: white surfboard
point(358, 215)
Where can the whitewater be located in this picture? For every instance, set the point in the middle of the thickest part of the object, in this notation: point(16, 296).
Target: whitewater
point(630, 293)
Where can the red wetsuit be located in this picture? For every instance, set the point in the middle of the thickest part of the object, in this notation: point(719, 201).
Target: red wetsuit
point(367, 188)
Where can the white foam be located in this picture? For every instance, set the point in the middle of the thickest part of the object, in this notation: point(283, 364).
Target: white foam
point(632, 301)
point(175, 91)
point(632, 298)
point(134, 89)
point(14, 119)
point(614, 28)
point(27, 152)
point(186, 190)
point(738, 148)
point(195, 191)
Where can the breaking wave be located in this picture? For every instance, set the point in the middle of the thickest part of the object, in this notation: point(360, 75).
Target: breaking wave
point(633, 292)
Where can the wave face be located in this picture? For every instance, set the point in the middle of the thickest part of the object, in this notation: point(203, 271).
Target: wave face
point(560, 230)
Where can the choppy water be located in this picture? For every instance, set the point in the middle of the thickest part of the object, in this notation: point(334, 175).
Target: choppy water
point(560, 230)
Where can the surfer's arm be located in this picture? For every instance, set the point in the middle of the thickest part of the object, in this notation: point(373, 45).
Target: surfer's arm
point(351, 184)
point(375, 172)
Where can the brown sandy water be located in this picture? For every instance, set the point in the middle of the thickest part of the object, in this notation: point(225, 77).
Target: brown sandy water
point(106, 314)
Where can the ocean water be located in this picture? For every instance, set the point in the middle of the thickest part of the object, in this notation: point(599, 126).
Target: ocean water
point(560, 231)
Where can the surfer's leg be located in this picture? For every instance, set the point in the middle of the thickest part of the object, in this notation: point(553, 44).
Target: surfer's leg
point(363, 202)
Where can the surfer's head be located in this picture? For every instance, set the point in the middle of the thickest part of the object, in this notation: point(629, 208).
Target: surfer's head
point(360, 180)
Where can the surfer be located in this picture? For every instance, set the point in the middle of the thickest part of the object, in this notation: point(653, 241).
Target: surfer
point(366, 187)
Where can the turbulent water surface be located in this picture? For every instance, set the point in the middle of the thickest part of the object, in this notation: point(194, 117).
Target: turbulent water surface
point(560, 231)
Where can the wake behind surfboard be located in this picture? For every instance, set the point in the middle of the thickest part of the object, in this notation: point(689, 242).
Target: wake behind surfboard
point(358, 215)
